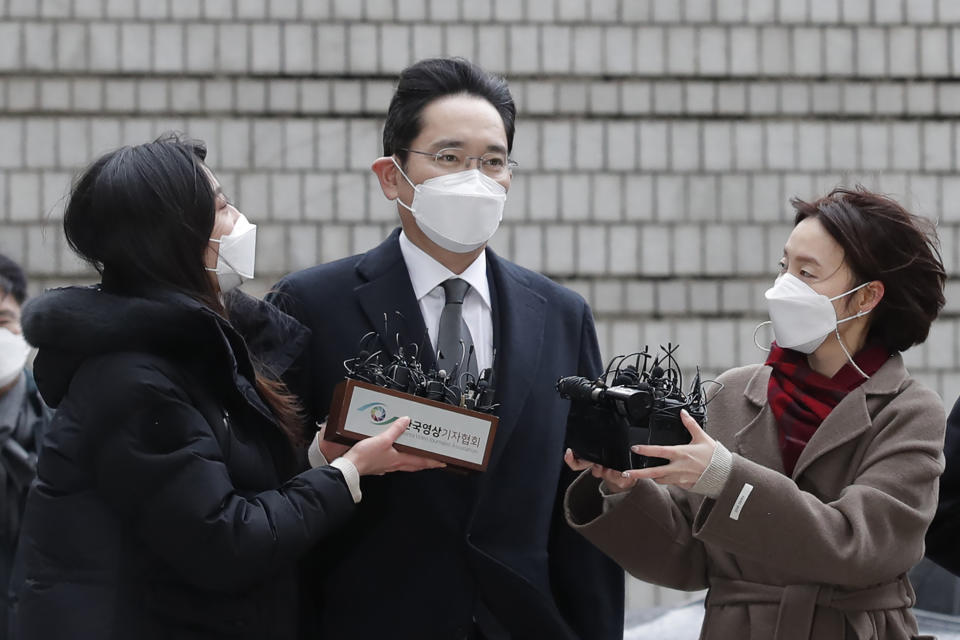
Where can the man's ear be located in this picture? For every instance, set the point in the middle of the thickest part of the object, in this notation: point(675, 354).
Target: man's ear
point(872, 295)
point(388, 175)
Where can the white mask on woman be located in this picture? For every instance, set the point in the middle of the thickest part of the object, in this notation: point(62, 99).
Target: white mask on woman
point(457, 211)
point(802, 318)
point(13, 355)
point(237, 255)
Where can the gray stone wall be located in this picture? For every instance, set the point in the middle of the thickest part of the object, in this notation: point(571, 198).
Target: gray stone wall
point(659, 141)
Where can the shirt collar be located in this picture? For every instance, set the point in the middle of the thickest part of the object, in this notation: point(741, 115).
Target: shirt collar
point(426, 273)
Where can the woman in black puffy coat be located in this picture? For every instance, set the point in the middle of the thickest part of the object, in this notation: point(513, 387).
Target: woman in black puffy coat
point(168, 503)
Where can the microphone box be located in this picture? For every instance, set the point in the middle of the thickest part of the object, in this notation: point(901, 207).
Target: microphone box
point(460, 437)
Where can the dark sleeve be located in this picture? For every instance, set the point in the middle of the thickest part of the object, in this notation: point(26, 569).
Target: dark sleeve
point(943, 537)
point(299, 376)
point(588, 586)
point(160, 468)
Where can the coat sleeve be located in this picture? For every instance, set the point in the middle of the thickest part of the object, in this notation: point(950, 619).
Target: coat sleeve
point(647, 531)
point(944, 533)
point(869, 534)
point(160, 468)
point(588, 587)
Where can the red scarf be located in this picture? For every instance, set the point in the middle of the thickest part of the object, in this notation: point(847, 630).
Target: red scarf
point(801, 398)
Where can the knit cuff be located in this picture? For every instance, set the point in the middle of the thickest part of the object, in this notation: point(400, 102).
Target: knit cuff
point(314, 455)
point(611, 498)
point(714, 477)
point(351, 475)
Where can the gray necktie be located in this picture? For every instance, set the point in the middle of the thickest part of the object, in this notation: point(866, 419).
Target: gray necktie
point(453, 331)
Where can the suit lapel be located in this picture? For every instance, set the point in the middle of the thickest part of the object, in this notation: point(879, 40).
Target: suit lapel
point(519, 315)
point(388, 290)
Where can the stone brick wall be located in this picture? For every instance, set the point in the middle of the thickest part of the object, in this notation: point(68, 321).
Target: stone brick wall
point(659, 140)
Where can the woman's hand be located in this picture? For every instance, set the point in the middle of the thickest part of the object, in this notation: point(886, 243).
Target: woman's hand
point(687, 461)
point(612, 478)
point(376, 455)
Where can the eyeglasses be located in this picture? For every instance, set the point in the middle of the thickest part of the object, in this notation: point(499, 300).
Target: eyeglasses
point(493, 164)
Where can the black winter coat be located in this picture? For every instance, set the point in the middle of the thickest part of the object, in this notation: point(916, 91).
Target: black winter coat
point(943, 536)
point(165, 506)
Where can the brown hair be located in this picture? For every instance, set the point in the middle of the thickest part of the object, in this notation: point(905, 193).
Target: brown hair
point(883, 241)
point(285, 406)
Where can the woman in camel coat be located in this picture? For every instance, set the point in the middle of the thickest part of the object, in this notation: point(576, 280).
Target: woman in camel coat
point(807, 503)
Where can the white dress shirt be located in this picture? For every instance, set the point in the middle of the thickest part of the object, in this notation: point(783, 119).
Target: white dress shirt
point(426, 276)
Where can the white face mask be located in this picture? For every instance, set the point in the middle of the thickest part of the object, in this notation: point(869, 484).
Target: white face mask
point(13, 356)
point(802, 318)
point(457, 211)
point(237, 255)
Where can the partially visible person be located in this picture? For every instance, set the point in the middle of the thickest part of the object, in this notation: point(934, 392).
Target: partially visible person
point(168, 502)
point(943, 537)
point(23, 417)
point(487, 555)
point(806, 504)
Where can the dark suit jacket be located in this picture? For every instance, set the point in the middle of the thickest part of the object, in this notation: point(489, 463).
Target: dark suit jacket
point(943, 536)
point(426, 548)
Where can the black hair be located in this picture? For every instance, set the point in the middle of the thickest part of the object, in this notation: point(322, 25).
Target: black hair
point(883, 241)
point(13, 282)
point(432, 78)
point(143, 215)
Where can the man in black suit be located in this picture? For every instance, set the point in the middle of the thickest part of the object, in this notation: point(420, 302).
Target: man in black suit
point(437, 554)
point(943, 536)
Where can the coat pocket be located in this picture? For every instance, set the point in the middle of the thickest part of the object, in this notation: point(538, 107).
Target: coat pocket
point(177, 606)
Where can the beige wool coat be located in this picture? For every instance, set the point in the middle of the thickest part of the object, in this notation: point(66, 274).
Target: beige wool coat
point(820, 555)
